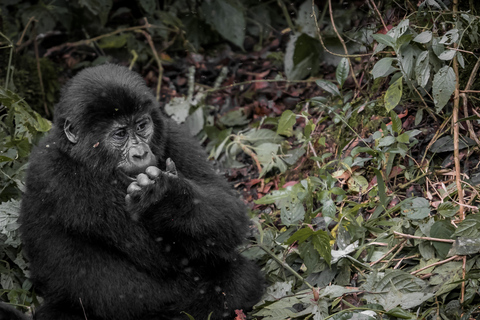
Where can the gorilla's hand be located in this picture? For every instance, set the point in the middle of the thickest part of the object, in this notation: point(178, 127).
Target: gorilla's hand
point(149, 187)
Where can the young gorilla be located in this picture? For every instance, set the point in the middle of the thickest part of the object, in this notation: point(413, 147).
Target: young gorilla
point(123, 217)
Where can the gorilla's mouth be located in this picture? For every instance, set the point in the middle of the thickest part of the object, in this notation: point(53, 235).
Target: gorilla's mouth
point(128, 177)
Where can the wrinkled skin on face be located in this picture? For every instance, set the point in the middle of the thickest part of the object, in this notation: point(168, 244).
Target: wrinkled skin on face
point(134, 142)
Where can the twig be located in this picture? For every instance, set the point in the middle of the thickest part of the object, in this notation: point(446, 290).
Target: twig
point(25, 30)
point(286, 266)
point(386, 254)
point(323, 44)
point(472, 77)
point(86, 42)
point(252, 154)
point(255, 81)
point(282, 5)
point(39, 71)
point(456, 129)
point(343, 44)
point(157, 58)
point(379, 14)
point(473, 135)
point(464, 273)
point(434, 264)
point(9, 66)
point(409, 236)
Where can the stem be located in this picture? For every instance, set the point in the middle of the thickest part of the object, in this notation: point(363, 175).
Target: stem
point(286, 266)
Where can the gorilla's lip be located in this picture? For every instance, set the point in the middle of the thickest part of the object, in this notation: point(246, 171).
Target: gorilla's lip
point(128, 177)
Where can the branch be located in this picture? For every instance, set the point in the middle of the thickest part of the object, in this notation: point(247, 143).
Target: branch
point(409, 236)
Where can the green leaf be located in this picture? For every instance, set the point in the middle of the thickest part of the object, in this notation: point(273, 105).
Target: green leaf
point(328, 86)
point(383, 68)
point(399, 313)
point(386, 141)
point(381, 187)
point(423, 37)
point(443, 86)
point(301, 56)
point(415, 208)
point(396, 122)
point(447, 209)
point(465, 246)
point(115, 41)
point(342, 71)
point(321, 243)
point(195, 122)
point(442, 229)
point(275, 196)
point(99, 8)
point(148, 5)
point(384, 39)
point(300, 236)
point(286, 122)
point(393, 94)
point(403, 138)
point(292, 212)
point(447, 55)
point(228, 18)
point(422, 69)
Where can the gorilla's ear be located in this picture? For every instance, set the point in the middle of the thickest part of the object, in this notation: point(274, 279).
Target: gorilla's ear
point(70, 132)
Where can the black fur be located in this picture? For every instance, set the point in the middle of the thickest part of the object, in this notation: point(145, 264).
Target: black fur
point(89, 259)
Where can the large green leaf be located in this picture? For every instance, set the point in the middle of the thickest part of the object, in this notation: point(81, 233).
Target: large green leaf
point(393, 94)
point(383, 68)
point(228, 18)
point(342, 71)
point(415, 208)
point(443, 86)
point(301, 56)
point(286, 122)
point(422, 69)
point(442, 229)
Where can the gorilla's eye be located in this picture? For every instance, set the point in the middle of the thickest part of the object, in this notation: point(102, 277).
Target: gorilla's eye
point(120, 134)
point(142, 126)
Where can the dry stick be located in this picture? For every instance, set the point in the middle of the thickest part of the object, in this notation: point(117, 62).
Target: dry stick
point(469, 124)
point(386, 254)
point(255, 81)
point(472, 77)
point(464, 273)
point(89, 41)
point(286, 266)
point(435, 138)
point(434, 264)
point(456, 130)
point(24, 31)
point(379, 15)
point(323, 44)
point(157, 58)
point(39, 71)
point(343, 44)
point(409, 236)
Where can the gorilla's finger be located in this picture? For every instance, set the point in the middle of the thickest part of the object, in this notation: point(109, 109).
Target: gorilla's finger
point(153, 172)
point(133, 187)
point(171, 168)
point(143, 180)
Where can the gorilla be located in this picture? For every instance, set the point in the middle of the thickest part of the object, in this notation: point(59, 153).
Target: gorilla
point(124, 218)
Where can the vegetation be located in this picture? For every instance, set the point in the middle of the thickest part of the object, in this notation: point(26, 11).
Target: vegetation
point(350, 130)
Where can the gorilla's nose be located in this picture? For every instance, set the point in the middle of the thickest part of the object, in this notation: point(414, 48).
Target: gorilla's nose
point(139, 155)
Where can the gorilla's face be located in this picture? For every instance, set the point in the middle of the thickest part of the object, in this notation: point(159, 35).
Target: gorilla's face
point(132, 138)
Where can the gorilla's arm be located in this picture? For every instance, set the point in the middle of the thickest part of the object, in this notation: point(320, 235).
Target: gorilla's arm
point(196, 206)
